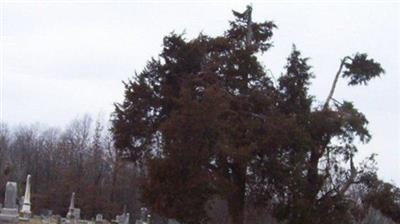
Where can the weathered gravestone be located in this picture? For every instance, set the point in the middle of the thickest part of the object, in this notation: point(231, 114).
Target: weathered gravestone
point(99, 218)
point(122, 219)
point(77, 214)
point(126, 219)
point(119, 219)
point(10, 211)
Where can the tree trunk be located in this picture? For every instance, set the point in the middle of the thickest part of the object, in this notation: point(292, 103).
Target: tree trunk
point(312, 176)
point(236, 199)
point(114, 181)
point(326, 104)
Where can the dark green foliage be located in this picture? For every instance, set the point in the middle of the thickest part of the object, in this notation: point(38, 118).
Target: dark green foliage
point(354, 123)
point(207, 120)
point(294, 85)
point(192, 112)
point(361, 69)
point(255, 35)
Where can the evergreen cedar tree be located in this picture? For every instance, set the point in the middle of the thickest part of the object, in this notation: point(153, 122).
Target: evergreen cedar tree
point(206, 120)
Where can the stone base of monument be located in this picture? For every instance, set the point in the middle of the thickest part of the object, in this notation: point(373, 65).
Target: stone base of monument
point(9, 215)
point(25, 217)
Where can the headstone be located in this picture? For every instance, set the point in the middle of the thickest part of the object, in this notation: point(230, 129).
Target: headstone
point(126, 219)
point(10, 199)
point(122, 219)
point(71, 208)
point(77, 214)
point(26, 206)
point(99, 218)
point(9, 214)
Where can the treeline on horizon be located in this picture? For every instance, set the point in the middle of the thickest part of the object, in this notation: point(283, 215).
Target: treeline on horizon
point(79, 158)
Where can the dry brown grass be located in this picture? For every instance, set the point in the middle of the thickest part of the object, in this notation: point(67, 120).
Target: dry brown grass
point(34, 220)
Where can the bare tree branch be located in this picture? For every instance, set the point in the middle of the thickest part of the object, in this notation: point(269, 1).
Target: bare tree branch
point(350, 181)
point(335, 82)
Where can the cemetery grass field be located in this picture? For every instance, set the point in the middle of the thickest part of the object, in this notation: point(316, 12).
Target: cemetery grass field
point(34, 220)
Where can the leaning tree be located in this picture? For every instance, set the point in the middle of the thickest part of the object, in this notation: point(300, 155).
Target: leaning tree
point(205, 119)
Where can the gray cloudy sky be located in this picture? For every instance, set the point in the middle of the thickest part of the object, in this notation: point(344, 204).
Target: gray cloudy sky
point(61, 59)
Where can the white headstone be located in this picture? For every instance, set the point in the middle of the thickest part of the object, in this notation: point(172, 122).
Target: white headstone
point(126, 219)
point(77, 214)
point(99, 218)
point(10, 200)
point(122, 219)
point(10, 211)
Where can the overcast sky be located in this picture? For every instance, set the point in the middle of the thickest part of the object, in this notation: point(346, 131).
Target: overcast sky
point(61, 59)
